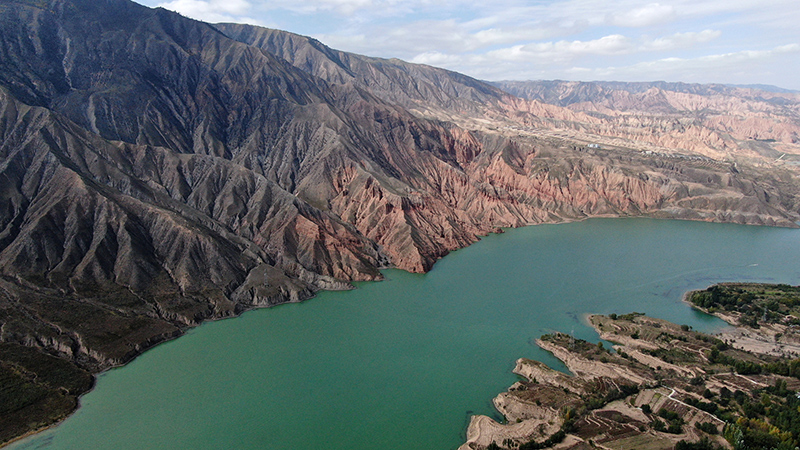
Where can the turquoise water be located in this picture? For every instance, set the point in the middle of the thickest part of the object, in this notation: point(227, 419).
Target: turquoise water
point(403, 363)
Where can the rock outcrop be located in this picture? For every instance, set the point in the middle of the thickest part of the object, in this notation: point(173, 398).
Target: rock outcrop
point(722, 122)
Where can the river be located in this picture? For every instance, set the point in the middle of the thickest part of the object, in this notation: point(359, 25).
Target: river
point(404, 363)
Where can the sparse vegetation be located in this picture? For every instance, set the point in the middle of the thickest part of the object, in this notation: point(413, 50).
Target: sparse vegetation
point(703, 444)
point(754, 303)
point(719, 399)
point(36, 389)
point(557, 437)
point(707, 427)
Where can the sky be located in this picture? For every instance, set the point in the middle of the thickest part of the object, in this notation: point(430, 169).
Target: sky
point(694, 41)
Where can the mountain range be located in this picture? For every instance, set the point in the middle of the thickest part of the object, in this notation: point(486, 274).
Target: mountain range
point(159, 171)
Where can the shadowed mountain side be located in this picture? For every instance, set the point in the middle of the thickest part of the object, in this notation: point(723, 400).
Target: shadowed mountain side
point(167, 81)
point(390, 79)
point(85, 215)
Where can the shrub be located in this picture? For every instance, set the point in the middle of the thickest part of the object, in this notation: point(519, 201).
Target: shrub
point(707, 427)
point(703, 444)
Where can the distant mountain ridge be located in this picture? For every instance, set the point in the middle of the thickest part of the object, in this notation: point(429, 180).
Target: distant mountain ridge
point(159, 171)
point(719, 121)
point(766, 87)
point(538, 90)
point(390, 79)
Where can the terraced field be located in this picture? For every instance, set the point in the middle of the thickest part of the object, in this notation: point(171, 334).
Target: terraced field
point(663, 386)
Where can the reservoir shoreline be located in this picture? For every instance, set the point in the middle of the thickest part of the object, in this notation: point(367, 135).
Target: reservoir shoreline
point(182, 332)
point(543, 234)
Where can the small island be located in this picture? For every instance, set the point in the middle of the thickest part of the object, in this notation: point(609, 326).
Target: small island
point(663, 385)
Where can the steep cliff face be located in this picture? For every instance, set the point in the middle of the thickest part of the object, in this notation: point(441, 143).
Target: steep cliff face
point(157, 171)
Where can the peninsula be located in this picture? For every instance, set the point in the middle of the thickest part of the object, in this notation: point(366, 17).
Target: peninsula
point(663, 385)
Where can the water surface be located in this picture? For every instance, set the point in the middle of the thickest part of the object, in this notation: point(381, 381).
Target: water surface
point(403, 363)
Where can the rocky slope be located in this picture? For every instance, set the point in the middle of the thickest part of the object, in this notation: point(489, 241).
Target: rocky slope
point(158, 171)
point(722, 122)
point(410, 85)
point(516, 137)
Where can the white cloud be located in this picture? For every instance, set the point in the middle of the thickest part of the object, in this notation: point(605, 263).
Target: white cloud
point(560, 52)
point(734, 67)
point(747, 66)
point(652, 14)
point(441, 59)
point(354, 10)
point(720, 61)
point(564, 50)
point(681, 40)
point(625, 39)
point(346, 7)
point(447, 36)
point(213, 11)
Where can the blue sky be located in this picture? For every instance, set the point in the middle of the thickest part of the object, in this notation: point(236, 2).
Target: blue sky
point(698, 41)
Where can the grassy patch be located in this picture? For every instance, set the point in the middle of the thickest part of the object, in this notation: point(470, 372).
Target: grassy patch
point(36, 389)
